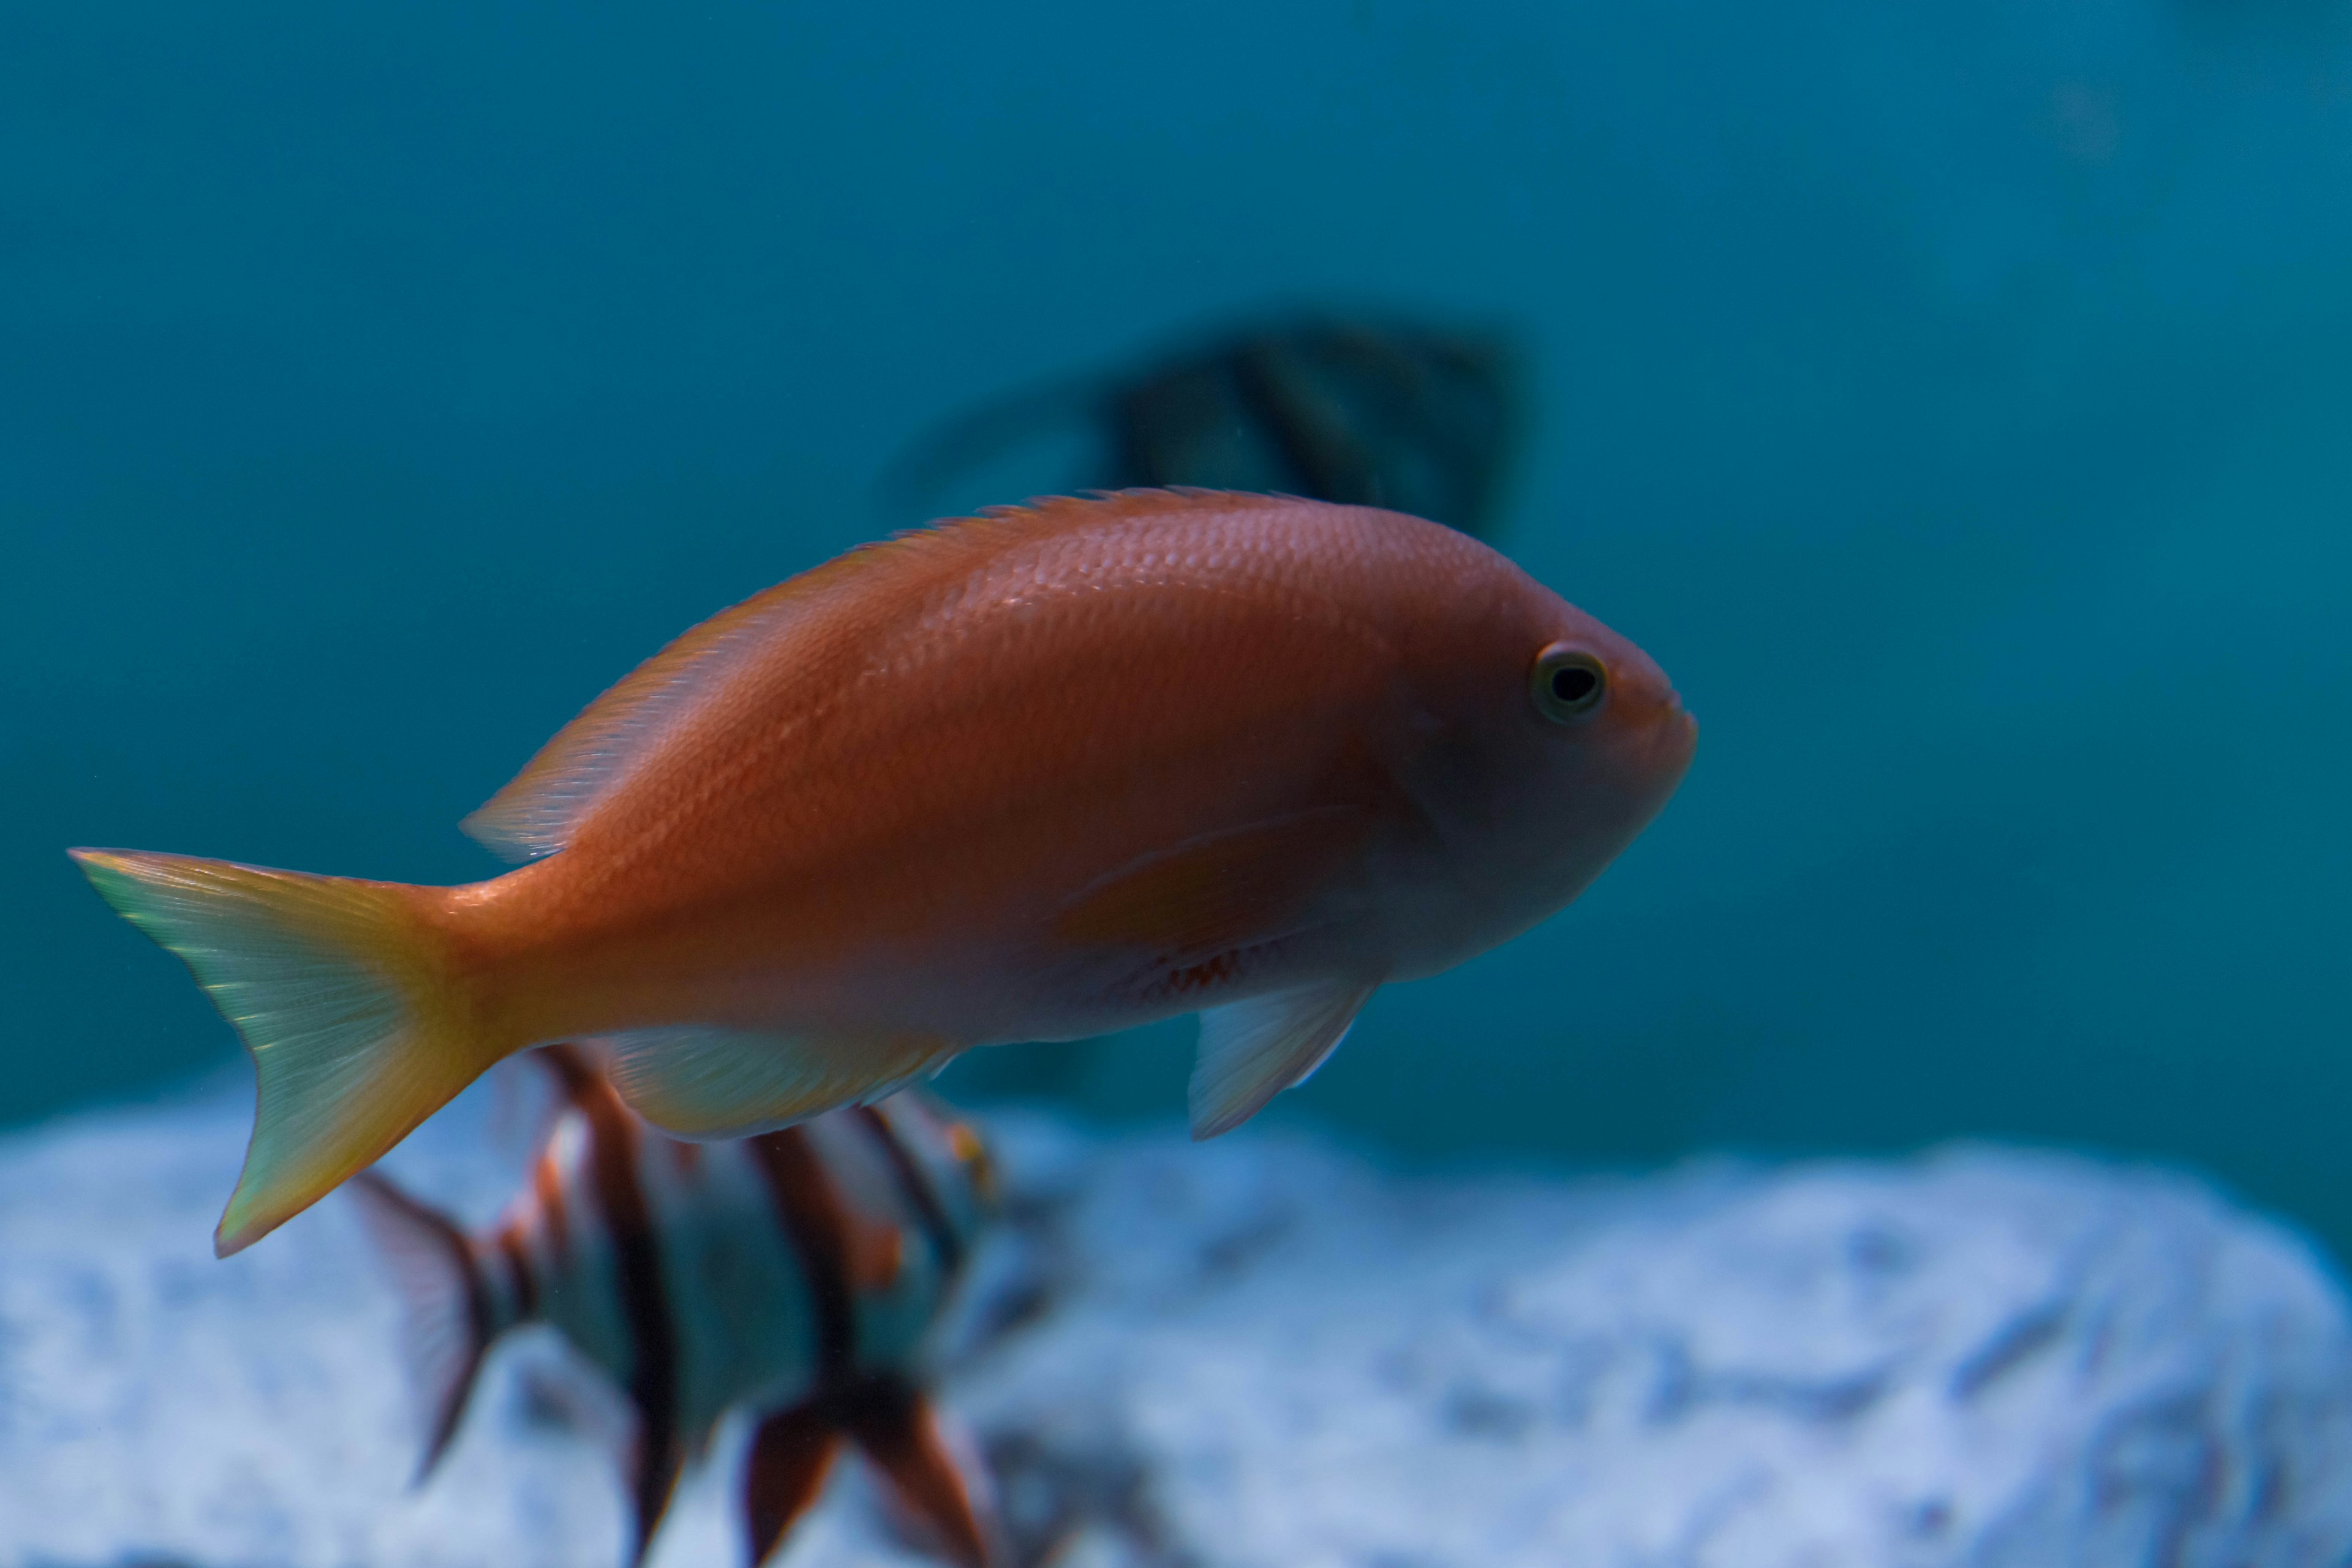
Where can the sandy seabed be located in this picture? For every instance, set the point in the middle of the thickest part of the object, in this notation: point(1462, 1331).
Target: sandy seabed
point(1258, 1351)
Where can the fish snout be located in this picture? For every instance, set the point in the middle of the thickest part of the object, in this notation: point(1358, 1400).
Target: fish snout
point(1674, 736)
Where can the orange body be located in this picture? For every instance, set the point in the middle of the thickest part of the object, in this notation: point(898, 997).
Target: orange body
point(877, 821)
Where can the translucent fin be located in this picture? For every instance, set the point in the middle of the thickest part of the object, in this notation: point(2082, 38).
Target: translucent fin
point(1219, 892)
point(709, 1084)
point(1252, 1050)
point(357, 1031)
point(895, 1428)
point(595, 755)
point(448, 1320)
point(525, 1104)
point(792, 1452)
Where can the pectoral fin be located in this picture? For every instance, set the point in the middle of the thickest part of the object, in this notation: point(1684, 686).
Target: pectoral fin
point(1218, 892)
point(1252, 1050)
point(714, 1083)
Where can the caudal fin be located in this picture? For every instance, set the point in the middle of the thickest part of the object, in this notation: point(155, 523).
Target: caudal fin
point(339, 987)
point(451, 1313)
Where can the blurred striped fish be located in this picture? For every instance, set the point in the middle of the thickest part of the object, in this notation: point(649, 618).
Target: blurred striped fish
point(1363, 411)
point(795, 1273)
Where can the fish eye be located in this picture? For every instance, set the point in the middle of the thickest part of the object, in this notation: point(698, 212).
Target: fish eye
point(1567, 683)
point(971, 1153)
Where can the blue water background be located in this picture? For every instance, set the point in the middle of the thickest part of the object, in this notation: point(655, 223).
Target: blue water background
point(1954, 397)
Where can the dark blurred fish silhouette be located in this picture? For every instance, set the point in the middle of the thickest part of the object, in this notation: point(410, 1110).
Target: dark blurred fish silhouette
point(1384, 413)
point(795, 1273)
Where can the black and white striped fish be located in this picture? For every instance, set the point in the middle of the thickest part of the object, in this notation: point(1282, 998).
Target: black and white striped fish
point(795, 1273)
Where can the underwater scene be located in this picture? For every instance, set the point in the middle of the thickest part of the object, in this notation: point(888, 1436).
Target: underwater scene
point(1335, 783)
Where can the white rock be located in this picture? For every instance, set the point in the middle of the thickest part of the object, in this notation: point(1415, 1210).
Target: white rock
point(1260, 1352)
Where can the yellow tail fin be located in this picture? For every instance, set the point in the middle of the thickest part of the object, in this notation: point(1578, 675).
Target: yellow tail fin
point(357, 1029)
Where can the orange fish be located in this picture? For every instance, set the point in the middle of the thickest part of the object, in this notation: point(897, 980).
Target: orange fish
point(1038, 775)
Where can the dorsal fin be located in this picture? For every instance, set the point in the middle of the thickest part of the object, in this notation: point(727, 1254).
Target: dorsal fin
point(591, 758)
point(537, 811)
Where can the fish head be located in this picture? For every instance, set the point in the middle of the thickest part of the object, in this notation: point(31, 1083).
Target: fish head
point(1537, 743)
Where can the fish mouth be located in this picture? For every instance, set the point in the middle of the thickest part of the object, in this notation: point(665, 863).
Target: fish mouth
point(1674, 737)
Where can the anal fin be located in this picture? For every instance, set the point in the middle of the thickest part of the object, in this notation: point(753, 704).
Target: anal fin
point(707, 1083)
point(792, 1451)
point(1251, 1052)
